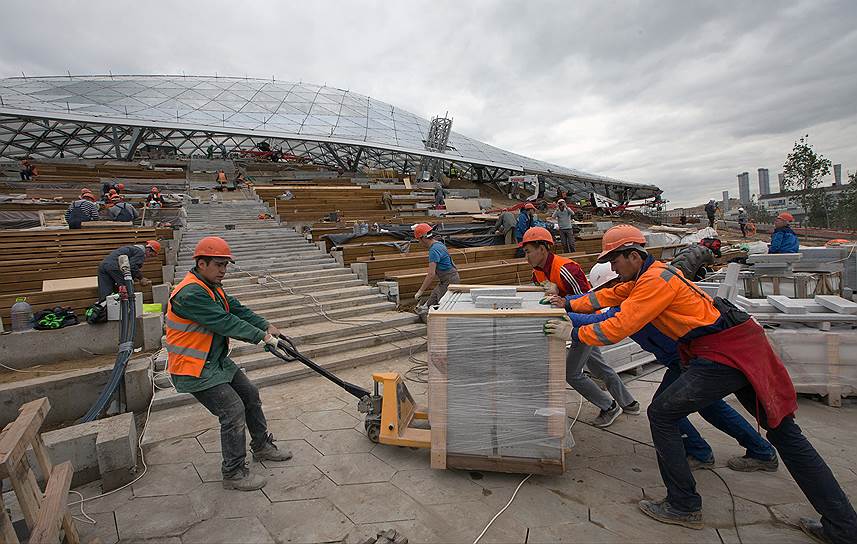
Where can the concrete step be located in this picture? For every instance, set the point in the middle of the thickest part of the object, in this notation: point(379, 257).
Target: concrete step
point(267, 301)
point(274, 255)
point(312, 275)
point(273, 287)
point(306, 304)
point(283, 372)
point(256, 250)
point(326, 331)
point(312, 314)
point(264, 267)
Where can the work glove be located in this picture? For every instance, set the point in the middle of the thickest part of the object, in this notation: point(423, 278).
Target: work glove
point(550, 288)
point(270, 342)
point(418, 295)
point(560, 328)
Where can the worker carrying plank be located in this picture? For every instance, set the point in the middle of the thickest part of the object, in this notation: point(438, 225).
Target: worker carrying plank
point(200, 319)
point(564, 277)
point(440, 266)
point(760, 455)
point(109, 274)
point(722, 352)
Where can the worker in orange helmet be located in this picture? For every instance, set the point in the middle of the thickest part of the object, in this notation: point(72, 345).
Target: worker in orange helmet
point(723, 351)
point(441, 266)
point(110, 275)
point(200, 319)
point(154, 198)
point(784, 239)
point(563, 277)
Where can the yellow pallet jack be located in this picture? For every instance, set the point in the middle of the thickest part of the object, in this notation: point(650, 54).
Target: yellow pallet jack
point(391, 412)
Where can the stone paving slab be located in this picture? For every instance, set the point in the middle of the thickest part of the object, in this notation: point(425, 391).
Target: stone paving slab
point(327, 420)
point(341, 486)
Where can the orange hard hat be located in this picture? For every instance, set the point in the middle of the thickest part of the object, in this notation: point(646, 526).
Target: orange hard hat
point(529, 206)
point(620, 237)
point(421, 230)
point(786, 216)
point(537, 234)
point(120, 186)
point(213, 246)
point(154, 244)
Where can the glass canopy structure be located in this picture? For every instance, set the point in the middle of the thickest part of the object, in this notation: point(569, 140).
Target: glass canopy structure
point(115, 117)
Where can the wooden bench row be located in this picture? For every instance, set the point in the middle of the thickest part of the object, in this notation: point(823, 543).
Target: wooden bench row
point(77, 299)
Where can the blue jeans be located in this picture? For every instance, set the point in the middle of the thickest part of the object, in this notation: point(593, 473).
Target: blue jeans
point(237, 406)
point(724, 418)
point(705, 382)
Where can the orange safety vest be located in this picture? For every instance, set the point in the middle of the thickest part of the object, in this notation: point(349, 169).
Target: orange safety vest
point(188, 342)
point(554, 274)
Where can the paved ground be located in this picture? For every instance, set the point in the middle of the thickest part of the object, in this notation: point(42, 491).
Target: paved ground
point(341, 487)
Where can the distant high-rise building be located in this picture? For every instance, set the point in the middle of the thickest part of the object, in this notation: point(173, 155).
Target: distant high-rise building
point(725, 205)
point(837, 174)
point(744, 188)
point(764, 182)
point(780, 178)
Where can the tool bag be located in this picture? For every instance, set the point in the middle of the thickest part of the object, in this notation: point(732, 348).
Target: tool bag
point(97, 313)
point(77, 215)
point(54, 319)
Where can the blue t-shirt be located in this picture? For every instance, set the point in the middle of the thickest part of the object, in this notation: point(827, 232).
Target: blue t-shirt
point(438, 254)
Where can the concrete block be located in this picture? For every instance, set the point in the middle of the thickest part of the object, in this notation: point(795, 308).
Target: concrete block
point(169, 273)
point(837, 304)
point(322, 246)
point(337, 256)
point(362, 271)
point(153, 329)
point(786, 304)
point(161, 294)
point(784, 258)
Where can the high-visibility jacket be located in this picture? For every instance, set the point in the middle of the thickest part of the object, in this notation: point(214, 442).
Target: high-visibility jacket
point(562, 275)
point(188, 342)
point(658, 296)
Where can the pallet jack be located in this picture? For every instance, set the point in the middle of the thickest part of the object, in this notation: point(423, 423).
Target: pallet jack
point(391, 413)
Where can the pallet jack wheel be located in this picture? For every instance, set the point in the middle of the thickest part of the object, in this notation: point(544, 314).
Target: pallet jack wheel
point(373, 430)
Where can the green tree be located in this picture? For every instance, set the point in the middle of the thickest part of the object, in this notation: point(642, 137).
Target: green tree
point(802, 173)
point(844, 213)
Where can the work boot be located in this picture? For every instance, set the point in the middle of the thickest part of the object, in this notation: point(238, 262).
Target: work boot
point(751, 464)
point(814, 529)
point(696, 464)
point(665, 513)
point(244, 481)
point(632, 409)
point(270, 452)
point(608, 416)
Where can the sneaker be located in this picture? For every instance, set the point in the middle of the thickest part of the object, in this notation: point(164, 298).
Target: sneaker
point(696, 464)
point(814, 529)
point(244, 481)
point(665, 513)
point(632, 409)
point(751, 464)
point(270, 452)
point(608, 416)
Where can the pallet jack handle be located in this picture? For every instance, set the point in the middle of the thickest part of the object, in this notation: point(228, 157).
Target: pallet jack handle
point(288, 352)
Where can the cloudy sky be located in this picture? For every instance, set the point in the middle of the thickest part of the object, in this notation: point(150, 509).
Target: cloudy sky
point(683, 94)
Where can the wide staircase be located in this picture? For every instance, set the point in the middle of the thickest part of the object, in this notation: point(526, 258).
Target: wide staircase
point(334, 317)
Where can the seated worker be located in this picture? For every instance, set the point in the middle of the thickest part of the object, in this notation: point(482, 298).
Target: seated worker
point(82, 210)
point(200, 320)
point(564, 277)
point(108, 188)
point(723, 351)
point(784, 239)
point(120, 210)
point(760, 455)
point(221, 180)
point(440, 266)
point(154, 199)
point(109, 274)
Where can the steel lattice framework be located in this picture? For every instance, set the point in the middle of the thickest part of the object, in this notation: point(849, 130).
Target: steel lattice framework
point(114, 116)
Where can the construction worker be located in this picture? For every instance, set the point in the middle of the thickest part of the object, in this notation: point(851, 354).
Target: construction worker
point(723, 351)
point(742, 221)
point(108, 188)
point(26, 170)
point(526, 220)
point(221, 180)
point(82, 210)
point(440, 266)
point(784, 239)
point(109, 274)
point(564, 277)
point(711, 211)
point(564, 216)
point(439, 194)
point(504, 228)
point(760, 455)
point(121, 210)
point(200, 319)
point(154, 198)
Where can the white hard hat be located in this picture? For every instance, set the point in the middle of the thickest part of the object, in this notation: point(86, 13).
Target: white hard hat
point(600, 274)
point(740, 209)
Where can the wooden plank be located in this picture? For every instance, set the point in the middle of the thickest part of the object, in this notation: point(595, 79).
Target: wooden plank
point(69, 283)
point(462, 205)
point(54, 508)
point(18, 434)
point(7, 530)
point(514, 465)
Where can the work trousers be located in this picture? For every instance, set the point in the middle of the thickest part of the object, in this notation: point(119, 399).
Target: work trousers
point(711, 221)
point(706, 382)
point(566, 236)
point(580, 355)
point(444, 279)
point(743, 229)
point(236, 405)
point(724, 418)
point(108, 279)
